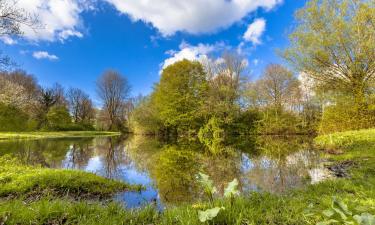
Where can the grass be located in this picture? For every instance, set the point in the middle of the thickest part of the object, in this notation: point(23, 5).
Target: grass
point(17, 180)
point(256, 208)
point(57, 134)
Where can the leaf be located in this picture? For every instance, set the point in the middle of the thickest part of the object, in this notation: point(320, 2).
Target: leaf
point(328, 213)
point(207, 184)
point(231, 189)
point(209, 214)
point(341, 205)
point(365, 219)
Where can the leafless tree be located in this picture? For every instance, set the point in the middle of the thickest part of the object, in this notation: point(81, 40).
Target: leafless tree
point(12, 18)
point(113, 89)
point(278, 87)
point(80, 106)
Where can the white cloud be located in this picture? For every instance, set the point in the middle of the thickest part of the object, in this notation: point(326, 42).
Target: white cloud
point(60, 19)
point(44, 55)
point(255, 30)
point(255, 62)
point(189, 52)
point(193, 16)
point(8, 40)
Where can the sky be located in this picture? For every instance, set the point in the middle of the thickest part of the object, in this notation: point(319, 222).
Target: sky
point(81, 39)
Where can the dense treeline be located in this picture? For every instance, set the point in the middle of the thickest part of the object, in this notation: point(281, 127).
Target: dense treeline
point(333, 50)
point(26, 106)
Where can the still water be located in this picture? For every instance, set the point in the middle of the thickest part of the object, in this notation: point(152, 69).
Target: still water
point(169, 170)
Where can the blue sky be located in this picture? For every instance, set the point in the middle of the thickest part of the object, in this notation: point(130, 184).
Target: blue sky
point(81, 39)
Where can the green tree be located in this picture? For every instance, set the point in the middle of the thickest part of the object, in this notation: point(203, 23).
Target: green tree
point(58, 118)
point(180, 95)
point(334, 42)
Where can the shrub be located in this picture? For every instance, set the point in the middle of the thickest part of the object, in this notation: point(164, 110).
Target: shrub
point(13, 119)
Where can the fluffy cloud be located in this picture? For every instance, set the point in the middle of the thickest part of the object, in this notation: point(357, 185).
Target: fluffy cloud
point(254, 31)
point(193, 16)
point(189, 52)
point(60, 19)
point(44, 55)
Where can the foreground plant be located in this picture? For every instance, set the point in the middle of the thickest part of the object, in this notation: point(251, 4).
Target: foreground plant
point(209, 189)
point(339, 213)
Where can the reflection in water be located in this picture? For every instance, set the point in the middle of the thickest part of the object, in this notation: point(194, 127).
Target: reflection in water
point(168, 171)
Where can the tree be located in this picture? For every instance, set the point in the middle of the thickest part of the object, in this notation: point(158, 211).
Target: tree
point(113, 89)
point(225, 77)
point(58, 118)
point(278, 86)
point(180, 95)
point(80, 106)
point(12, 18)
point(334, 42)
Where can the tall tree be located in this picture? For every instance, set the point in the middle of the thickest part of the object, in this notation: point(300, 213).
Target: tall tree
point(80, 106)
point(334, 42)
point(114, 90)
point(278, 87)
point(180, 94)
point(225, 77)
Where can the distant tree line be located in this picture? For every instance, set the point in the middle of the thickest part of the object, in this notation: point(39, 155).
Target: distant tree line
point(26, 106)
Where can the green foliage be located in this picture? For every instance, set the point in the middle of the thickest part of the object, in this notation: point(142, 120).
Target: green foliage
point(13, 119)
point(276, 121)
point(209, 214)
point(58, 118)
point(334, 43)
point(343, 117)
point(19, 180)
point(180, 94)
point(208, 186)
point(65, 134)
point(346, 139)
point(145, 118)
point(232, 189)
point(339, 213)
point(212, 135)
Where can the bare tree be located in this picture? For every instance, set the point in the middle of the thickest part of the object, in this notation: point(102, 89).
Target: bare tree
point(80, 106)
point(113, 89)
point(12, 18)
point(278, 87)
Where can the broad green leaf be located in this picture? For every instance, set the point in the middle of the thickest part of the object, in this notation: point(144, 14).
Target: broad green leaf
point(365, 219)
point(209, 214)
point(328, 213)
point(207, 184)
point(337, 203)
point(231, 189)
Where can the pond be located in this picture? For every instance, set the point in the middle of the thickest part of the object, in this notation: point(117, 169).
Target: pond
point(169, 170)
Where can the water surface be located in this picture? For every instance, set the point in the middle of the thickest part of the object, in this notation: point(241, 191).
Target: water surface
point(169, 170)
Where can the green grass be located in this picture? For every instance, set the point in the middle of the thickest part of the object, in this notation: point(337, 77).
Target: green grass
point(256, 208)
point(57, 134)
point(17, 180)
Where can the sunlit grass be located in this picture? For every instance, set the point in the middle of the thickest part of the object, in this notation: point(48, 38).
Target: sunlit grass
point(24, 181)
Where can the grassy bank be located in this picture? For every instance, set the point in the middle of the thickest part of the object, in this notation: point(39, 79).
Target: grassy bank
point(60, 134)
point(20, 181)
point(305, 206)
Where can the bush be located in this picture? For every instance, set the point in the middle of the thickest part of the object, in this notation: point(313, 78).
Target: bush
point(344, 117)
point(58, 118)
point(13, 119)
point(275, 121)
